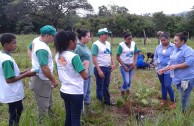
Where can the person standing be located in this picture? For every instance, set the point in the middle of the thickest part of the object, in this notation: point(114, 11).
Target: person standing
point(71, 72)
point(161, 60)
point(181, 67)
point(104, 65)
point(127, 58)
point(11, 86)
point(85, 54)
point(43, 83)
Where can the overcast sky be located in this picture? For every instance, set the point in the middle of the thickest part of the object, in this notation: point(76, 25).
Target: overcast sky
point(147, 6)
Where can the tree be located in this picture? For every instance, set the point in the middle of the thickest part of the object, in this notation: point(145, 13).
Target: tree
point(52, 10)
point(159, 19)
point(5, 24)
point(103, 11)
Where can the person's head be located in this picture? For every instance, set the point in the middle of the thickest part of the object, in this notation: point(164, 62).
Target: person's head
point(65, 40)
point(139, 52)
point(159, 33)
point(128, 38)
point(150, 55)
point(103, 34)
point(165, 39)
point(180, 39)
point(83, 36)
point(8, 42)
point(47, 33)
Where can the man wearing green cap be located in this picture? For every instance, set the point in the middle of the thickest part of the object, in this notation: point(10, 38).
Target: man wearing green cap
point(104, 65)
point(41, 57)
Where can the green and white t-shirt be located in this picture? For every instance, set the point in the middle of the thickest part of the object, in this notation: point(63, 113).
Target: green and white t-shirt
point(127, 53)
point(69, 66)
point(103, 53)
point(85, 54)
point(41, 56)
point(11, 92)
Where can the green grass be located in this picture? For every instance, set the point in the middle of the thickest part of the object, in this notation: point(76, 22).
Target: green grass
point(144, 99)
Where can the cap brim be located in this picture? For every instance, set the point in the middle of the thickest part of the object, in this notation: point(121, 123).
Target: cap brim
point(101, 33)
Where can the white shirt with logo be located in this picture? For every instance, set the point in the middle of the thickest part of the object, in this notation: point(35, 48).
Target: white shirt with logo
point(10, 92)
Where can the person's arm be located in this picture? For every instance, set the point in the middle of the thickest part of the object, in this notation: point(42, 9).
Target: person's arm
point(94, 59)
point(113, 65)
point(133, 65)
point(79, 67)
point(43, 61)
point(29, 50)
point(9, 73)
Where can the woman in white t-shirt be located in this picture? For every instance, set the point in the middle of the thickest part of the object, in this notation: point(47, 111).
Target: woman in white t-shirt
point(127, 58)
point(72, 73)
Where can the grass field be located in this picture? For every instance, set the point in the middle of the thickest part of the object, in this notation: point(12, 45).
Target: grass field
point(141, 108)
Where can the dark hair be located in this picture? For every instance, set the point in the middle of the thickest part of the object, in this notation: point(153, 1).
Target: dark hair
point(62, 40)
point(81, 33)
point(182, 36)
point(150, 55)
point(165, 35)
point(127, 34)
point(7, 38)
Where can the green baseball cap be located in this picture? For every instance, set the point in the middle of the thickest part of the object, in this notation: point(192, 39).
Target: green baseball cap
point(48, 29)
point(103, 31)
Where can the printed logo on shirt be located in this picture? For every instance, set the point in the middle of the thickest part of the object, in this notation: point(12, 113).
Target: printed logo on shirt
point(62, 61)
point(130, 54)
point(106, 51)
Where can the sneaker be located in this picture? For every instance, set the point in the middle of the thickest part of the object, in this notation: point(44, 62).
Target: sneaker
point(127, 92)
point(172, 105)
point(163, 103)
point(109, 103)
point(89, 110)
point(122, 93)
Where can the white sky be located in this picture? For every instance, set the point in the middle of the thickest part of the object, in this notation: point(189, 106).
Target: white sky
point(147, 6)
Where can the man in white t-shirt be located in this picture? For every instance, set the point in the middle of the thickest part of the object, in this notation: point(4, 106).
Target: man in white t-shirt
point(11, 86)
point(41, 57)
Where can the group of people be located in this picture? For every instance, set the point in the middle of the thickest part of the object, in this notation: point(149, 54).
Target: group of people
point(76, 64)
point(175, 62)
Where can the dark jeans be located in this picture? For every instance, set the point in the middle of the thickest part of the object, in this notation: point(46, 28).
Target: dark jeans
point(102, 84)
point(15, 111)
point(185, 94)
point(166, 81)
point(73, 107)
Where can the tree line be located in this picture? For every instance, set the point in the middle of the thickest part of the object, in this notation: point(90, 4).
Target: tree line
point(27, 16)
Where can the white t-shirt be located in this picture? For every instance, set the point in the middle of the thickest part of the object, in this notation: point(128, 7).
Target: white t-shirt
point(38, 45)
point(127, 55)
point(69, 66)
point(104, 53)
point(11, 92)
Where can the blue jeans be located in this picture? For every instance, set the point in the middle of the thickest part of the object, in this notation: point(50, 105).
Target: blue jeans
point(73, 107)
point(126, 76)
point(184, 95)
point(87, 85)
point(15, 111)
point(166, 81)
point(102, 84)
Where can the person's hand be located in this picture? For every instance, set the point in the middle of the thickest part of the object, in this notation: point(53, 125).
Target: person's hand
point(126, 68)
point(133, 65)
point(100, 73)
point(54, 84)
point(29, 73)
point(161, 71)
point(112, 67)
point(86, 64)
